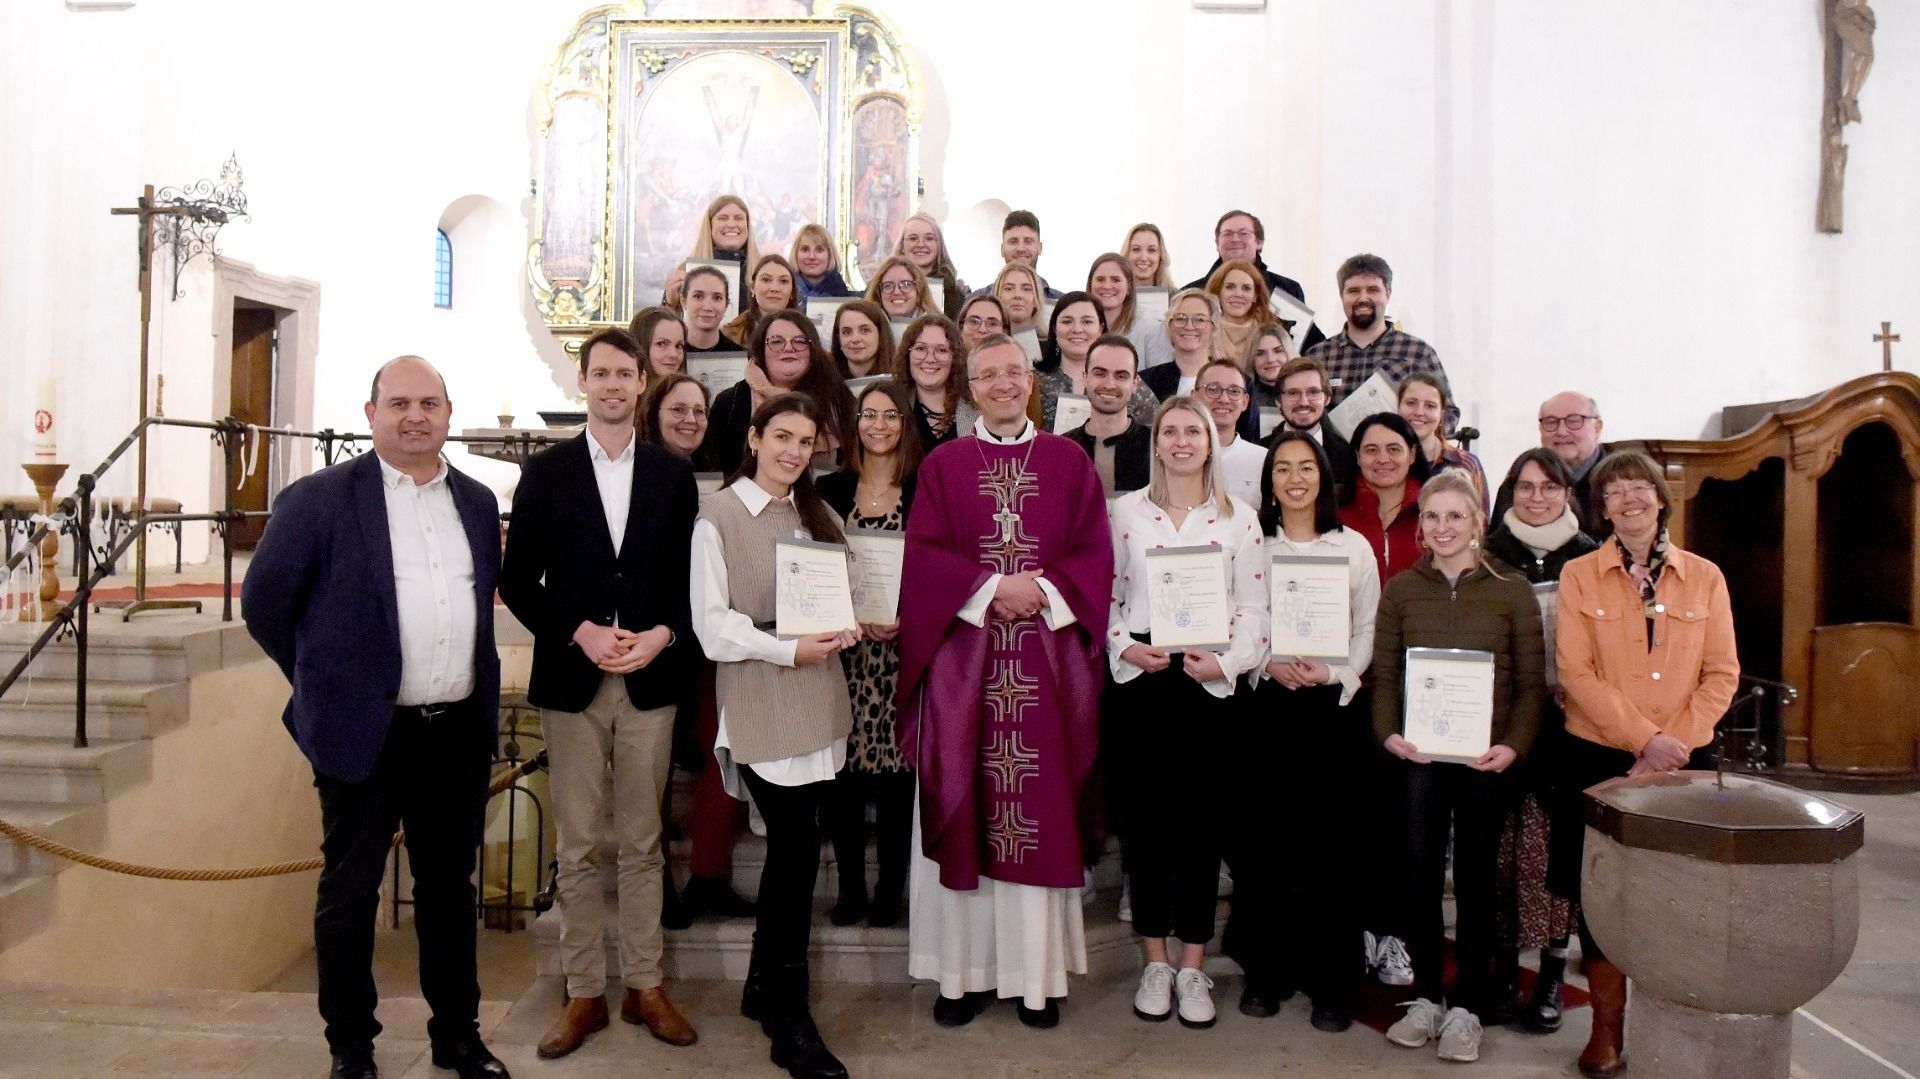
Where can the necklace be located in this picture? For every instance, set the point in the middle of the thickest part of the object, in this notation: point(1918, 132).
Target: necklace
point(1008, 519)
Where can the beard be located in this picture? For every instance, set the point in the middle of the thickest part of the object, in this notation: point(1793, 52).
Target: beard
point(1364, 316)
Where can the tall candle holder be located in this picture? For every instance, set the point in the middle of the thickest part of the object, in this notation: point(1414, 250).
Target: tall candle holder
point(45, 476)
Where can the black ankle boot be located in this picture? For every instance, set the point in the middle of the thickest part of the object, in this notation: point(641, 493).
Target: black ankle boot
point(1502, 1000)
point(797, 1046)
point(756, 1001)
point(851, 907)
point(1541, 1015)
point(889, 903)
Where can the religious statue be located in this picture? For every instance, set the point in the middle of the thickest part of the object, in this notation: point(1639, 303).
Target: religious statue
point(1848, 27)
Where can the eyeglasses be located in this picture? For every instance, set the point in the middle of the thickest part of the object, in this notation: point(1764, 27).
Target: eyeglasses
point(1616, 492)
point(786, 344)
point(685, 412)
point(977, 322)
point(988, 378)
point(1431, 518)
point(1215, 391)
point(1236, 234)
point(868, 415)
point(939, 352)
point(1190, 320)
point(896, 286)
point(1313, 394)
point(1549, 489)
point(1572, 422)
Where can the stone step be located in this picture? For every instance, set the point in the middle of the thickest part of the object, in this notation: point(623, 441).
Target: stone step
point(155, 648)
point(26, 906)
point(82, 827)
point(116, 711)
point(51, 770)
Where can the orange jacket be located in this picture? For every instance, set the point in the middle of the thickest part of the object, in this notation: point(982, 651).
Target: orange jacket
point(1621, 694)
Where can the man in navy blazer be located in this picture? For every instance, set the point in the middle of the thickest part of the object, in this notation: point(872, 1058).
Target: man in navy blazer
point(372, 589)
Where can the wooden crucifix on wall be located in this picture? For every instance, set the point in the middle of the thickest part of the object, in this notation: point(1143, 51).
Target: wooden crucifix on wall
point(1886, 337)
point(1846, 28)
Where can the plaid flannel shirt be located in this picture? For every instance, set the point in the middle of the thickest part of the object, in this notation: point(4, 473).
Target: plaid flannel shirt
point(1394, 354)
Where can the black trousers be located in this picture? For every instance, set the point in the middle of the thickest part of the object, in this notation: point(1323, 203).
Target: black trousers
point(1472, 805)
point(846, 810)
point(785, 902)
point(1295, 922)
point(1172, 831)
point(431, 778)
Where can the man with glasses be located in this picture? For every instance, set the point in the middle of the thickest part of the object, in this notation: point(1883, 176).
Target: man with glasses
point(1303, 407)
point(1368, 342)
point(1001, 669)
point(1570, 426)
point(1222, 388)
point(1121, 449)
point(1240, 235)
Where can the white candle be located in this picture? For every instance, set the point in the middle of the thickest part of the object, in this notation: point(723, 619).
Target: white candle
point(506, 407)
point(45, 439)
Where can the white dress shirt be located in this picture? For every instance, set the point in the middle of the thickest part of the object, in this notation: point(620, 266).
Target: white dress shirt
point(1140, 526)
point(1363, 598)
point(614, 476)
point(433, 587)
point(729, 636)
point(1057, 614)
point(1241, 462)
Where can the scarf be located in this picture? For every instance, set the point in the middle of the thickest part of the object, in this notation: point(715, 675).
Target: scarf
point(1543, 539)
point(1647, 576)
point(1231, 341)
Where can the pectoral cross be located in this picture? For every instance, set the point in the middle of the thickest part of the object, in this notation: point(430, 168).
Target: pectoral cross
point(1008, 521)
point(1886, 337)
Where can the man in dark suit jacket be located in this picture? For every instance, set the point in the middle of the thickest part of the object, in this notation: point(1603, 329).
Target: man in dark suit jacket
point(1120, 448)
point(372, 590)
point(597, 567)
point(1240, 235)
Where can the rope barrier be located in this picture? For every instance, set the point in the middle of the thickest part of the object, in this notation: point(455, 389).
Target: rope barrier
point(60, 850)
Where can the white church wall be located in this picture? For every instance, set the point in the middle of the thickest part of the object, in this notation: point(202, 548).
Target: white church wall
point(1614, 196)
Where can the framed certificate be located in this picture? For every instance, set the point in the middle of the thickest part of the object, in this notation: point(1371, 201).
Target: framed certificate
point(1070, 410)
point(1374, 395)
point(1449, 703)
point(731, 271)
point(1269, 421)
point(811, 590)
point(1187, 590)
point(877, 557)
point(708, 482)
point(1308, 597)
point(717, 370)
point(1029, 341)
point(1149, 305)
point(823, 309)
point(1547, 595)
point(1297, 316)
point(858, 384)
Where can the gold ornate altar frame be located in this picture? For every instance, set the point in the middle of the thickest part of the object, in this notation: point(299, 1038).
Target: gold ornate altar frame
point(641, 122)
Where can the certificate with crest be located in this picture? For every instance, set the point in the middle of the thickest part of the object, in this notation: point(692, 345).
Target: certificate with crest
point(1297, 317)
point(1376, 394)
point(730, 270)
point(877, 557)
point(1070, 410)
point(1449, 703)
point(717, 371)
point(812, 592)
point(1308, 598)
point(1149, 305)
point(1187, 590)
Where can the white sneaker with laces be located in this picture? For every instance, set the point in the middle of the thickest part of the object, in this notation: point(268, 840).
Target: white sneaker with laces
point(1418, 1026)
point(1153, 1001)
point(1391, 963)
point(1126, 901)
point(1195, 991)
point(1460, 1036)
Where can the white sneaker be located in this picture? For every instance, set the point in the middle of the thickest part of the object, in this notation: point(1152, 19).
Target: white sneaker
point(756, 823)
point(1369, 944)
point(1418, 1026)
point(1126, 901)
point(1153, 1001)
point(1195, 991)
point(1391, 963)
point(1460, 1036)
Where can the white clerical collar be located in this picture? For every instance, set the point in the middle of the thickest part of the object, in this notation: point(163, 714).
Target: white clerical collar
point(599, 453)
point(980, 431)
point(754, 496)
point(393, 477)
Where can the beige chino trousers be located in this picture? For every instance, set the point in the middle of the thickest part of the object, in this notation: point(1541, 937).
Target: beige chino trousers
point(609, 763)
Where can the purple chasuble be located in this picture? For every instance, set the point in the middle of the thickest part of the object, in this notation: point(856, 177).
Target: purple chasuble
point(1002, 723)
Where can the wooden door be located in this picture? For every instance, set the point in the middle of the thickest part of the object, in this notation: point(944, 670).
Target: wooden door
point(252, 402)
point(1861, 708)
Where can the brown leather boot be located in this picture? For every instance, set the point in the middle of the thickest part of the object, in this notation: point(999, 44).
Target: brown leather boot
point(1605, 1055)
point(583, 1016)
point(651, 1008)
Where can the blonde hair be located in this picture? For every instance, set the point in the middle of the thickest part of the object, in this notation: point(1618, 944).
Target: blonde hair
point(1161, 275)
point(1039, 294)
point(819, 234)
point(703, 243)
point(942, 262)
point(1211, 474)
point(1456, 482)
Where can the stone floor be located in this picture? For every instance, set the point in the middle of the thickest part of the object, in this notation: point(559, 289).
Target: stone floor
point(1865, 1026)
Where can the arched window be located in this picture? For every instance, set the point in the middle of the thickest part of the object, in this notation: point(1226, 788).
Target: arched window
point(442, 269)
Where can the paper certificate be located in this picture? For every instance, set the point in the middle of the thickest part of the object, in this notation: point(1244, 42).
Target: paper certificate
point(1029, 342)
point(1311, 617)
point(1449, 706)
point(937, 288)
point(1374, 395)
point(823, 309)
point(1269, 421)
point(899, 328)
point(1297, 316)
point(877, 557)
point(731, 271)
point(1547, 595)
point(1187, 589)
point(1045, 317)
point(708, 482)
point(812, 593)
point(1070, 410)
point(1149, 305)
point(717, 371)
point(859, 383)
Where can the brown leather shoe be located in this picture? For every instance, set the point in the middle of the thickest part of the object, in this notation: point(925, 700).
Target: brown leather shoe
point(583, 1016)
point(652, 1009)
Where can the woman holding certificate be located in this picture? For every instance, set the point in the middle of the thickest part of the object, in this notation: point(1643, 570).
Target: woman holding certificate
point(926, 247)
point(1189, 616)
point(873, 497)
point(1458, 681)
point(783, 705)
point(1384, 506)
point(932, 365)
point(1077, 323)
point(1272, 348)
point(1295, 915)
point(862, 340)
point(771, 288)
point(1645, 651)
point(785, 348)
point(901, 290)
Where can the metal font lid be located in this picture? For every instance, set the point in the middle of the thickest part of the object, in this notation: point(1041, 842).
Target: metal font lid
point(1724, 818)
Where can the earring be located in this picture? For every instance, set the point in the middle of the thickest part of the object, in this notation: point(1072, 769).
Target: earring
point(1473, 544)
